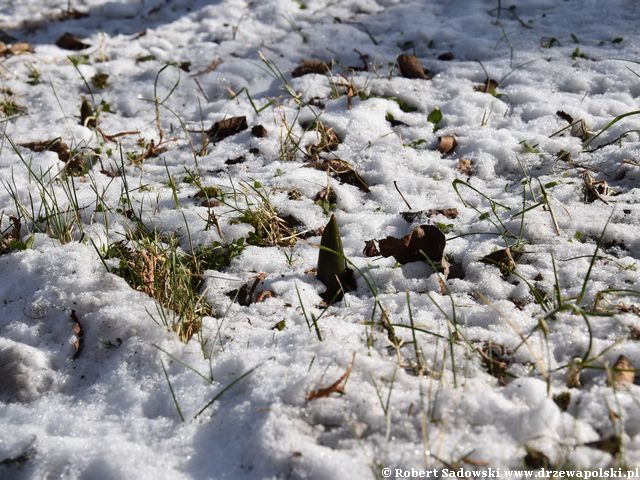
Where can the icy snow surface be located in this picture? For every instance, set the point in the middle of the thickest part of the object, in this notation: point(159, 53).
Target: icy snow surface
point(109, 413)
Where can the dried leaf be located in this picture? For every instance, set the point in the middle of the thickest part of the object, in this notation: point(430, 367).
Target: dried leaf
point(79, 333)
point(245, 294)
point(447, 144)
point(573, 375)
point(371, 249)
point(87, 114)
point(227, 127)
point(425, 240)
point(446, 56)
point(335, 387)
point(622, 373)
point(489, 86)
point(465, 166)
point(311, 66)
point(535, 459)
point(19, 48)
point(69, 41)
point(496, 359)
point(328, 138)
point(342, 171)
point(56, 145)
point(564, 116)
point(258, 131)
point(504, 259)
point(612, 444)
point(447, 212)
point(410, 67)
point(394, 123)
point(595, 189)
point(210, 68)
point(563, 400)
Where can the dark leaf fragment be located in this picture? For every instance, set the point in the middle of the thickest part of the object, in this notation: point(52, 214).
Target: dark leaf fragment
point(496, 359)
point(258, 131)
point(371, 249)
point(563, 400)
point(87, 114)
point(423, 241)
point(69, 41)
point(227, 127)
point(410, 67)
point(335, 387)
point(504, 259)
point(564, 116)
point(446, 56)
point(79, 333)
point(447, 144)
point(311, 66)
point(489, 86)
point(447, 212)
point(536, 459)
point(246, 294)
point(56, 145)
point(343, 171)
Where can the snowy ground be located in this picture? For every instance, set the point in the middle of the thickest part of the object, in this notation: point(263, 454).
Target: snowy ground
point(83, 393)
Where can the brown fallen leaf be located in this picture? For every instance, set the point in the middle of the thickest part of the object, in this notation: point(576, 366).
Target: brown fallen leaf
point(342, 170)
point(465, 166)
point(87, 114)
point(489, 86)
point(564, 116)
point(410, 67)
point(227, 127)
point(496, 359)
point(371, 249)
point(56, 145)
point(425, 241)
point(68, 41)
point(504, 259)
point(19, 48)
point(328, 138)
point(612, 444)
point(210, 68)
point(574, 373)
point(622, 373)
point(245, 294)
point(79, 333)
point(311, 66)
point(447, 212)
point(563, 400)
point(447, 144)
point(335, 387)
point(258, 131)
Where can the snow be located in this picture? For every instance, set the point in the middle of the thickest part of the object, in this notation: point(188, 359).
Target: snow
point(110, 413)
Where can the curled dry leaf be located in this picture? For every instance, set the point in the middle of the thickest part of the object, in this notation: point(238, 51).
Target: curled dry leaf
point(574, 373)
point(210, 68)
point(371, 249)
point(7, 50)
point(245, 295)
point(496, 359)
point(595, 189)
point(622, 373)
point(410, 67)
point(56, 145)
point(489, 86)
point(465, 166)
point(341, 170)
point(447, 144)
point(258, 131)
point(79, 334)
point(423, 241)
point(328, 138)
point(504, 259)
point(447, 212)
point(335, 387)
point(564, 116)
point(311, 66)
point(227, 127)
point(69, 41)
